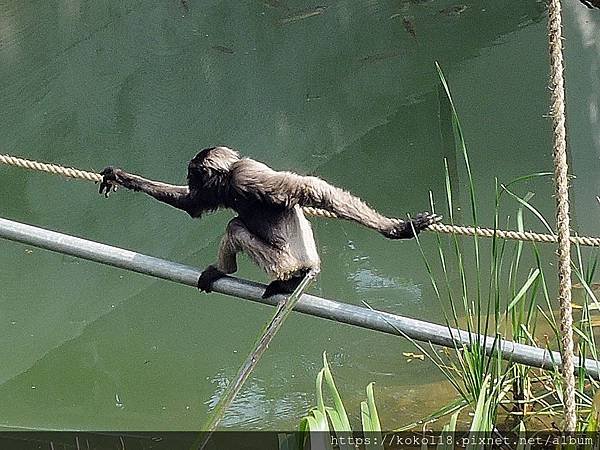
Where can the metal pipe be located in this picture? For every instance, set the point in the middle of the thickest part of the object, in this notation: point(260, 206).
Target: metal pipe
point(309, 304)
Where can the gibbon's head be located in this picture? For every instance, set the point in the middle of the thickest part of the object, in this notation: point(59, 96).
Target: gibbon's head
point(209, 165)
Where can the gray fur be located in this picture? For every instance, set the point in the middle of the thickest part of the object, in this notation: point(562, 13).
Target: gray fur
point(270, 226)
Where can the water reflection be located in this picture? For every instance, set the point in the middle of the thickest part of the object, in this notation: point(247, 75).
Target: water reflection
point(337, 89)
point(583, 101)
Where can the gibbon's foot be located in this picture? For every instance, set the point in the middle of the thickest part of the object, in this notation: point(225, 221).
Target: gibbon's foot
point(208, 277)
point(282, 286)
point(408, 229)
point(110, 178)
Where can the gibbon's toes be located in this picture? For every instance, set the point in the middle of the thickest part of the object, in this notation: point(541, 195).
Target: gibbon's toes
point(208, 277)
point(282, 287)
point(274, 288)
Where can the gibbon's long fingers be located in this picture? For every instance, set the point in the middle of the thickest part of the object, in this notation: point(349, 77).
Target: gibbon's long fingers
point(106, 187)
point(421, 222)
point(409, 228)
point(425, 219)
point(109, 181)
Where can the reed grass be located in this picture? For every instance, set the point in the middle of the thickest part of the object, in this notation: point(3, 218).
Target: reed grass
point(517, 301)
point(510, 299)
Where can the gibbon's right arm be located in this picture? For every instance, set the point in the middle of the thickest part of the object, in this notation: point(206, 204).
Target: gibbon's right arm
point(286, 189)
point(177, 196)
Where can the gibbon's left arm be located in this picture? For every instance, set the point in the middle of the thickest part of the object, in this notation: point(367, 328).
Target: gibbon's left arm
point(286, 189)
point(176, 196)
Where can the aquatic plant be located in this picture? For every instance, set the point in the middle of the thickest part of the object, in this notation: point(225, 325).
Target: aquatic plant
point(511, 300)
point(324, 421)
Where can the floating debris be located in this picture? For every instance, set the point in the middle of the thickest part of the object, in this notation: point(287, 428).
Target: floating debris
point(455, 10)
point(118, 402)
point(185, 5)
point(303, 15)
point(412, 356)
point(223, 49)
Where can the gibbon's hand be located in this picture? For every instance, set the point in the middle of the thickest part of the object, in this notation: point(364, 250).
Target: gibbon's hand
point(110, 180)
point(404, 229)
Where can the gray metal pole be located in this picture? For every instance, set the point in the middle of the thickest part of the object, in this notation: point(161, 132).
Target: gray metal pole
point(308, 304)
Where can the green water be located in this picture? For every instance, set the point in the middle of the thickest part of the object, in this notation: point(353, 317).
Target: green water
point(338, 89)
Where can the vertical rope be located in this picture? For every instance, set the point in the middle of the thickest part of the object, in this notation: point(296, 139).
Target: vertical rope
point(562, 209)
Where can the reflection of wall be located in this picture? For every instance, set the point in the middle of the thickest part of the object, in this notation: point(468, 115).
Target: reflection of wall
point(133, 76)
point(392, 166)
point(582, 72)
point(397, 162)
point(143, 84)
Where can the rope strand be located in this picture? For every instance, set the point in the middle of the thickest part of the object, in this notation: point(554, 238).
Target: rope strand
point(317, 212)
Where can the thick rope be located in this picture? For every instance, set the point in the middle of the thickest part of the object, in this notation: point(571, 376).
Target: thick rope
point(50, 168)
point(317, 212)
point(562, 210)
point(529, 236)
